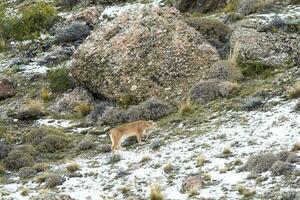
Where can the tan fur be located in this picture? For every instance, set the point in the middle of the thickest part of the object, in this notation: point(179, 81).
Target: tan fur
point(137, 128)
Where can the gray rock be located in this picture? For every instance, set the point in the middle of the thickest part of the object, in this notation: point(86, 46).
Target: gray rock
point(73, 32)
point(260, 163)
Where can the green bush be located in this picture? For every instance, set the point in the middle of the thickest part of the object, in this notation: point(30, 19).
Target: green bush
point(254, 69)
point(60, 80)
point(47, 139)
point(33, 19)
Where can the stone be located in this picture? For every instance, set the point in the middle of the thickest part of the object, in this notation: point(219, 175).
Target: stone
point(150, 48)
point(7, 88)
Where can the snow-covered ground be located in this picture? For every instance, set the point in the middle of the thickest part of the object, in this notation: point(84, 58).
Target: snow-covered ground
point(257, 132)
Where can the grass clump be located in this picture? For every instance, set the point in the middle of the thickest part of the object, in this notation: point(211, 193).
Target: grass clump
point(83, 109)
point(17, 159)
point(47, 139)
point(200, 161)
point(24, 192)
point(247, 7)
point(246, 192)
point(73, 167)
point(231, 6)
point(254, 69)
point(185, 107)
point(156, 193)
point(145, 159)
point(168, 168)
point(53, 180)
point(296, 147)
point(27, 172)
point(60, 80)
point(41, 167)
point(45, 94)
point(85, 145)
point(124, 190)
point(33, 109)
point(294, 92)
point(33, 20)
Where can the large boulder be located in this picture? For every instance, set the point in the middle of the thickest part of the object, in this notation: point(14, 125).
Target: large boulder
point(7, 88)
point(147, 52)
point(251, 46)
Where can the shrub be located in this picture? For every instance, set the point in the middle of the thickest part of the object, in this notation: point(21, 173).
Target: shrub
point(73, 167)
point(287, 156)
point(148, 110)
point(168, 168)
point(253, 69)
point(17, 159)
point(53, 180)
point(27, 172)
point(72, 33)
point(47, 139)
point(29, 149)
point(127, 100)
point(296, 147)
point(2, 43)
point(60, 80)
point(86, 145)
point(260, 163)
point(145, 159)
point(32, 110)
point(294, 92)
point(98, 111)
point(231, 6)
point(295, 2)
point(200, 160)
point(247, 7)
point(83, 108)
point(186, 106)
point(225, 70)
point(66, 3)
point(155, 193)
point(282, 168)
point(33, 19)
point(211, 89)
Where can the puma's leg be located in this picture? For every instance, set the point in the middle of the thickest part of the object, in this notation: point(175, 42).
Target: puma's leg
point(139, 137)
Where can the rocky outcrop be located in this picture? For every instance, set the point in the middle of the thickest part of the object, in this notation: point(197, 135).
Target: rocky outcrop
point(147, 52)
point(7, 88)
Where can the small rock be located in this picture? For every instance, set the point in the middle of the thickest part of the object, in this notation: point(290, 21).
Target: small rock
point(192, 183)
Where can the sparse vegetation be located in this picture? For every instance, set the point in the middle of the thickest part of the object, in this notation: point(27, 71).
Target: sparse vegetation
point(73, 167)
point(296, 147)
point(83, 109)
point(85, 145)
point(231, 6)
point(41, 167)
point(254, 69)
point(2, 169)
point(260, 163)
point(45, 94)
point(225, 70)
point(124, 190)
point(252, 103)
point(185, 107)
point(156, 193)
point(27, 172)
point(247, 7)
point(53, 180)
point(294, 92)
point(60, 80)
point(145, 159)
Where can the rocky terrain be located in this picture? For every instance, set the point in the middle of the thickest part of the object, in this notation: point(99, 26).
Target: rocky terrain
point(221, 79)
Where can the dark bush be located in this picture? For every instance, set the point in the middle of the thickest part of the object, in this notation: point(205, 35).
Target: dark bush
point(148, 110)
point(247, 7)
point(282, 168)
point(225, 70)
point(211, 89)
point(17, 159)
point(85, 145)
point(60, 80)
point(27, 172)
point(287, 156)
point(67, 3)
point(98, 111)
point(260, 163)
point(72, 33)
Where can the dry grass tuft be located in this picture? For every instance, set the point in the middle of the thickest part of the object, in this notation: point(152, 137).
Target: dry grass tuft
point(45, 94)
point(294, 92)
point(155, 193)
point(296, 147)
point(83, 108)
point(200, 161)
point(25, 191)
point(186, 106)
point(246, 192)
point(73, 167)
